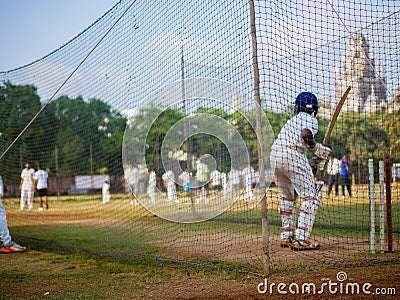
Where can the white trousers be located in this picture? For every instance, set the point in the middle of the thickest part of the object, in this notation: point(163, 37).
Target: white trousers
point(106, 198)
point(294, 177)
point(249, 192)
point(151, 192)
point(26, 195)
point(171, 193)
point(203, 195)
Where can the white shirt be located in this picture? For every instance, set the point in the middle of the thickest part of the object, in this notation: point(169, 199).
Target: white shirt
point(184, 178)
point(248, 174)
point(234, 176)
point(333, 166)
point(215, 177)
point(223, 179)
point(132, 175)
point(290, 134)
point(152, 179)
point(27, 176)
point(106, 188)
point(202, 172)
point(41, 178)
point(169, 177)
point(256, 177)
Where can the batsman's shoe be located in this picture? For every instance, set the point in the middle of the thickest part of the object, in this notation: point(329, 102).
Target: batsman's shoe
point(13, 248)
point(285, 243)
point(301, 245)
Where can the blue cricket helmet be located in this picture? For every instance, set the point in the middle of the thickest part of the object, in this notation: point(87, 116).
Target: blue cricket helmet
point(306, 102)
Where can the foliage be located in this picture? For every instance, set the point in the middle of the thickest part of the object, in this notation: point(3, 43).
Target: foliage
point(391, 125)
point(68, 137)
point(359, 136)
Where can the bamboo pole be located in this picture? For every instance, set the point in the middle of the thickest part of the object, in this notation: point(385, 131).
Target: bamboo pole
point(372, 205)
point(264, 208)
point(382, 206)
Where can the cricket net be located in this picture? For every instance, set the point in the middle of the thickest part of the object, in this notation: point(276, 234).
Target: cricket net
point(156, 89)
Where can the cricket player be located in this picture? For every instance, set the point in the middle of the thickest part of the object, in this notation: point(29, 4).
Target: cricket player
point(106, 192)
point(202, 176)
point(27, 186)
point(293, 173)
point(169, 182)
point(224, 182)
point(132, 176)
point(234, 182)
point(40, 181)
point(248, 174)
point(151, 188)
point(184, 180)
point(215, 177)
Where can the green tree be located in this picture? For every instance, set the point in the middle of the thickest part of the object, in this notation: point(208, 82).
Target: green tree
point(89, 136)
point(18, 105)
point(277, 120)
point(361, 137)
point(143, 141)
point(391, 125)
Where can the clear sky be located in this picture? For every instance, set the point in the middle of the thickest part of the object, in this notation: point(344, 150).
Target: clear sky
point(31, 29)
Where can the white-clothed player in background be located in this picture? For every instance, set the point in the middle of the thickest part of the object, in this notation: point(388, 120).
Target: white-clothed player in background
point(248, 174)
point(293, 173)
point(27, 186)
point(169, 182)
point(105, 189)
point(216, 183)
point(234, 183)
point(224, 183)
point(151, 187)
point(41, 183)
point(132, 176)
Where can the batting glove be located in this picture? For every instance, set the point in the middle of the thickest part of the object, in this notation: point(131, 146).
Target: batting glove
point(322, 151)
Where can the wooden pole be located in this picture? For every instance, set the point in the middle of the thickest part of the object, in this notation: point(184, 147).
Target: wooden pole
point(388, 206)
point(91, 166)
point(372, 205)
point(382, 206)
point(187, 144)
point(264, 208)
point(56, 165)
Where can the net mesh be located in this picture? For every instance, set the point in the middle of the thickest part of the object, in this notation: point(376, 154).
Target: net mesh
point(169, 86)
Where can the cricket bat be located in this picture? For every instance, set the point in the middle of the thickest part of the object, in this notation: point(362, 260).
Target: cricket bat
point(332, 123)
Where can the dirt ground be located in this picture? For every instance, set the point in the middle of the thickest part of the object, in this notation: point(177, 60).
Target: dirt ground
point(47, 275)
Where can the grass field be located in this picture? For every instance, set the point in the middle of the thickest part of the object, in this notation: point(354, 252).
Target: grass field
point(43, 274)
point(122, 251)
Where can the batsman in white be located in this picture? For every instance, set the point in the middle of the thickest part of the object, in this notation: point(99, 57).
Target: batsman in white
point(293, 173)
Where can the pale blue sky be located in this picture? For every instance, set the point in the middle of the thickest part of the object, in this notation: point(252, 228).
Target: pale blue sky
point(31, 29)
point(301, 43)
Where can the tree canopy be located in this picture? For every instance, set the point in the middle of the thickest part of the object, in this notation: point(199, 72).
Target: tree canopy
point(70, 136)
